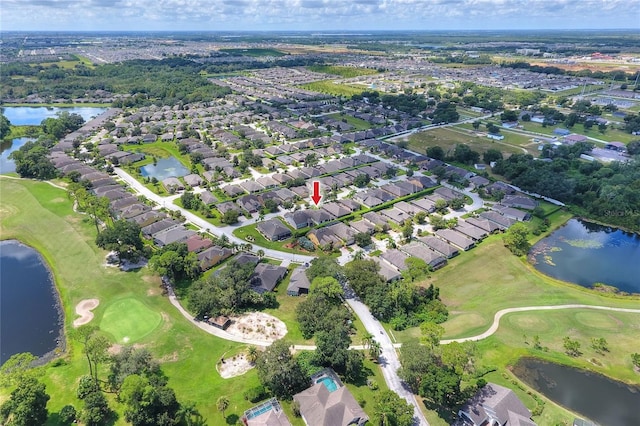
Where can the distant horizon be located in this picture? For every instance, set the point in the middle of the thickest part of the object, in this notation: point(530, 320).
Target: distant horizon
point(317, 15)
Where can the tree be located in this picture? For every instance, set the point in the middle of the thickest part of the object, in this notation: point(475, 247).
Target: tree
point(362, 180)
point(600, 345)
point(435, 152)
point(516, 239)
point(431, 333)
point(230, 217)
point(222, 404)
point(437, 222)
point(457, 203)
point(571, 347)
point(133, 361)
point(280, 372)
point(416, 268)
point(147, 404)
point(491, 155)
point(32, 161)
point(332, 347)
point(5, 126)
point(633, 147)
point(407, 230)
point(375, 349)
point(190, 201)
point(635, 359)
point(602, 127)
point(392, 410)
point(325, 266)
point(328, 287)
point(509, 115)
point(476, 125)
point(123, 237)
point(260, 253)
point(68, 414)
point(176, 261)
point(27, 405)
point(96, 409)
point(16, 368)
point(363, 239)
point(441, 206)
point(420, 217)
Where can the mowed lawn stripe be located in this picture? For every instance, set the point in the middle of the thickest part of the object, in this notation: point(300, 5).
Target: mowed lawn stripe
point(129, 320)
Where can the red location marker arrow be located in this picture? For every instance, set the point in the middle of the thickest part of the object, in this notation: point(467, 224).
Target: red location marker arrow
point(316, 197)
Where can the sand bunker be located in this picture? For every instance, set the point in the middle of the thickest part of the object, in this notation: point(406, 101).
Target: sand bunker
point(257, 326)
point(235, 366)
point(84, 309)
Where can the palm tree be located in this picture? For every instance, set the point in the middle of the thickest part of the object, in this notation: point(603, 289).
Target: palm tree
point(260, 253)
point(222, 404)
point(252, 354)
point(375, 349)
point(366, 340)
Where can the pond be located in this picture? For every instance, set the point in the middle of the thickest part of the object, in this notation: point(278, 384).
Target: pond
point(164, 168)
point(6, 148)
point(23, 116)
point(602, 400)
point(30, 316)
point(585, 254)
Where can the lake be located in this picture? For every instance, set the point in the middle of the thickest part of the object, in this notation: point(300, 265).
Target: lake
point(23, 116)
point(6, 148)
point(600, 399)
point(585, 254)
point(30, 319)
point(164, 168)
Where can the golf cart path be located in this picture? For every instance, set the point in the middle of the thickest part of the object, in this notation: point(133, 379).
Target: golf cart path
point(496, 318)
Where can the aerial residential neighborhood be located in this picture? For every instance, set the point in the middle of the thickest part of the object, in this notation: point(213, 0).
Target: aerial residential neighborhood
point(319, 227)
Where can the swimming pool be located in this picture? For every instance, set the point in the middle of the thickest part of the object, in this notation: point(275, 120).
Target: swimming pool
point(329, 383)
point(259, 410)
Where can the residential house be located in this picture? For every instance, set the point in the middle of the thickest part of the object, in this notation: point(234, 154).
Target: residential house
point(208, 198)
point(325, 405)
point(335, 209)
point(440, 246)
point(268, 413)
point(395, 258)
point(172, 235)
point(172, 184)
point(396, 215)
point(298, 219)
point(299, 283)
point(147, 218)
point(193, 180)
point(196, 243)
point(246, 258)
point(519, 202)
point(250, 203)
point(158, 226)
point(233, 190)
point(457, 239)
point(324, 237)
point(376, 219)
point(447, 193)
point(484, 224)
point(220, 322)
point(212, 256)
point(495, 405)
point(227, 206)
point(344, 232)
point(470, 231)
point(318, 217)
point(388, 272)
point(363, 226)
point(266, 276)
point(273, 230)
point(511, 213)
point(251, 186)
point(424, 204)
point(502, 221)
point(421, 251)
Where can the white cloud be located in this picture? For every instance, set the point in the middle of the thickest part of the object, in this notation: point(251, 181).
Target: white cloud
point(316, 14)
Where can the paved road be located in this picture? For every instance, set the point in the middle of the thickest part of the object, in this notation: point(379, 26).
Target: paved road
point(205, 225)
point(388, 359)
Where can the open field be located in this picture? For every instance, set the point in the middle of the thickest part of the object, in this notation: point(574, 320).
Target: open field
point(346, 72)
point(474, 292)
point(610, 135)
point(255, 52)
point(448, 138)
point(357, 123)
point(331, 88)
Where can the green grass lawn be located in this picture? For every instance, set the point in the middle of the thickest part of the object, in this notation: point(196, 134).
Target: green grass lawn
point(256, 238)
point(610, 135)
point(129, 320)
point(357, 123)
point(448, 138)
point(331, 88)
point(342, 71)
point(41, 216)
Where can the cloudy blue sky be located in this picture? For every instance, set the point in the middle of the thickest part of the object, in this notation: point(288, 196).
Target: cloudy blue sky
point(316, 15)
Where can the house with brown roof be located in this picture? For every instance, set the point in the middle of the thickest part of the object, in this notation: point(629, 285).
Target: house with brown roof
point(196, 243)
point(495, 405)
point(212, 256)
point(329, 403)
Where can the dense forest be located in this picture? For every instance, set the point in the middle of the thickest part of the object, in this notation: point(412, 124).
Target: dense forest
point(607, 193)
point(619, 76)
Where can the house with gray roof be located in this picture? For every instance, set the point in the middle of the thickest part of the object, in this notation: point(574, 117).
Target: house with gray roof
point(395, 258)
point(298, 283)
point(298, 219)
point(519, 202)
point(511, 213)
point(502, 221)
point(335, 209)
point(322, 406)
point(251, 186)
point(273, 230)
point(388, 272)
point(344, 232)
point(147, 218)
point(457, 239)
point(421, 251)
point(440, 246)
point(172, 184)
point(396, 215)
point(233, 190)
point(376, 219)
point(266, 276)
point(363, 226)
point(193, 180)
point(470, 231)
point(208, 198)
point(424, 204)
point(484, 224)
point(172, 235)
point(495, 405)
